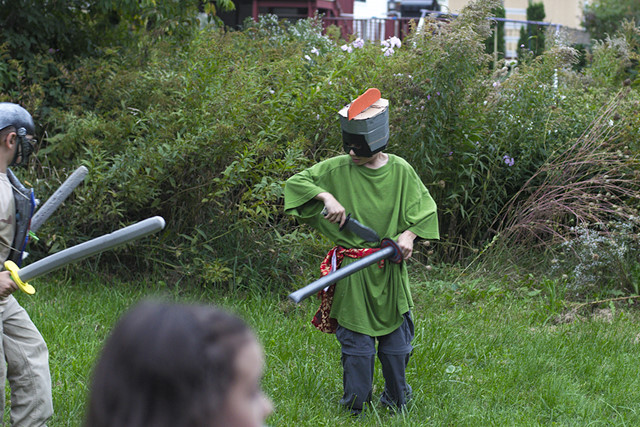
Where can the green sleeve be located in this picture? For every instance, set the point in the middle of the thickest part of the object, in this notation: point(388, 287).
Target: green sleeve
point(423, 217)
point(299, 193)
point(419, 212)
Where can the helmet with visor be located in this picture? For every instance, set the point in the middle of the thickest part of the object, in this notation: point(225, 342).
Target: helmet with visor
point(368, 132)
point(13, 115)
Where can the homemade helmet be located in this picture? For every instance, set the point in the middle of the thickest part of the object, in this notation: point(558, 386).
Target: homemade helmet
point(14, 115)
point(365, 124)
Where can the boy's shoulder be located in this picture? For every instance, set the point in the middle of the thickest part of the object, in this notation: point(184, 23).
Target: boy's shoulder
point(333, 163)
point(399, 161)
point(338, 160)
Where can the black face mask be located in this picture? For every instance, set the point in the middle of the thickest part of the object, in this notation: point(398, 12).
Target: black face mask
point(357, 143)
point(24, 149)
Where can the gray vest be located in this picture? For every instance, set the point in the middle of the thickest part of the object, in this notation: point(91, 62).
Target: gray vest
point(25, 206)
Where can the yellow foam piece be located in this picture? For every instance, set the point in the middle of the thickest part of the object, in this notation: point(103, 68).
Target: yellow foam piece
point(12, 268)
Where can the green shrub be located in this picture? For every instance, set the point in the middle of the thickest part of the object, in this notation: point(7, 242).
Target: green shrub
point(207, 135)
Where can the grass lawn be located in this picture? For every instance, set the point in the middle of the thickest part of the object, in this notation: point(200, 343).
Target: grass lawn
point(483, 355)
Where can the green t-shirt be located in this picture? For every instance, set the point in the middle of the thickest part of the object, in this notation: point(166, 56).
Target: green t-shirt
point(390, 199)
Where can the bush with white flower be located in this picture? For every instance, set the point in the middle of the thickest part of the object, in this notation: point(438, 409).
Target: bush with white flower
point(358, 43)
point(602, 258)
point(390, 44)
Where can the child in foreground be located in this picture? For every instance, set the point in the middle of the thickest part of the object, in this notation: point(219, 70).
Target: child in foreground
point(178, 365)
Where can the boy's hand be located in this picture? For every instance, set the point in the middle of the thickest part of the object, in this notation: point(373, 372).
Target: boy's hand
point(405, 242)
point(7, 286)
point(335, 212)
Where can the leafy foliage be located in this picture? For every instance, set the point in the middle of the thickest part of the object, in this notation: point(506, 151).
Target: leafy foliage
point(207, 135)
point(603, 18)
point(43, 38)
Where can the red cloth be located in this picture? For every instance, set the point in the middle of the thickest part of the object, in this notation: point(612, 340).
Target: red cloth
point(321, 320)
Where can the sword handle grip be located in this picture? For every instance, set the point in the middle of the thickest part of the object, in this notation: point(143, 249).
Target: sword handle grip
point(346, 221)
point(396, 257)
point(14, 270)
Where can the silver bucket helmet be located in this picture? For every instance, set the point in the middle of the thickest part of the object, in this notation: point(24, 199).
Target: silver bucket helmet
point(14, 115)
point(368, 132)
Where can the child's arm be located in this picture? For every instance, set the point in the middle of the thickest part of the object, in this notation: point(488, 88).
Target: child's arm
point(7, 286)
point(405, 242)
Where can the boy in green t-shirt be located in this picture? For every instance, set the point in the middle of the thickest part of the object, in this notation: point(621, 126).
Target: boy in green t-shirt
point(374, 304)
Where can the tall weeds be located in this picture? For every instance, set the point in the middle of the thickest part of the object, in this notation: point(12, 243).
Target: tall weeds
point(594, 181)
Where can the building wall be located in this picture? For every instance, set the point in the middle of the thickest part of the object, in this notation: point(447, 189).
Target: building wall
point(567, 13)
point(370, 9)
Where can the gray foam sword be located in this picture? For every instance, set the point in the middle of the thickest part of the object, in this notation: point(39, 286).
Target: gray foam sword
point(52, 203)
point(81, 251)
point(389, 249)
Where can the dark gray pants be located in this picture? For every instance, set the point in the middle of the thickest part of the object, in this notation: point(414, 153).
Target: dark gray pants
point(358, 359)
